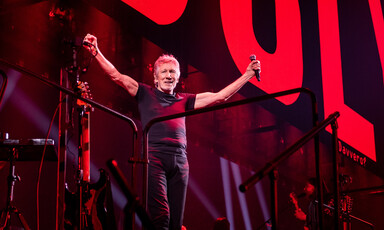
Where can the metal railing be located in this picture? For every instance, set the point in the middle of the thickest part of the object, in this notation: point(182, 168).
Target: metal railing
point(70, 92)
point(270, 167)
point(231, 104)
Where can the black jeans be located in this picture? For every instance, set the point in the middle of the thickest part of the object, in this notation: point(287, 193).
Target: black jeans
point(167, 189)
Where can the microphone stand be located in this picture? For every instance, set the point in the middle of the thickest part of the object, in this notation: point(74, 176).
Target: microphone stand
point(11, 209)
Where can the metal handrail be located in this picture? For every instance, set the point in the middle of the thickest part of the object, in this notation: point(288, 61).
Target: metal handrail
point(270, 167)
point(287, 153)
point(223, 106)
point(72, 93)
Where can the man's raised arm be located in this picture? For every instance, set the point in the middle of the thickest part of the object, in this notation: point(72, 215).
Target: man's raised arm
point(208, 98)
point(128, 83)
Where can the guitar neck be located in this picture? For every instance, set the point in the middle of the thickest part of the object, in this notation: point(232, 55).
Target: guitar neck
point(294, 201)
point(86, 146)
point(86, 109)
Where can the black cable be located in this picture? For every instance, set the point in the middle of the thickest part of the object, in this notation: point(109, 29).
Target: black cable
point(41, 166)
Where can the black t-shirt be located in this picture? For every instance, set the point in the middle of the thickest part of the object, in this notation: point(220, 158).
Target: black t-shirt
point(168, 136)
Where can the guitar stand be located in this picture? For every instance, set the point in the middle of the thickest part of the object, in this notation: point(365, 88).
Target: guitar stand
point(10, 209)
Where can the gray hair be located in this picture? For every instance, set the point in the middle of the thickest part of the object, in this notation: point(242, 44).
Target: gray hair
point(166, 58)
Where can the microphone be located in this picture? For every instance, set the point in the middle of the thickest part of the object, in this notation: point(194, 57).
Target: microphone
point(91, 47)
point(257, 72)
point(85, 43)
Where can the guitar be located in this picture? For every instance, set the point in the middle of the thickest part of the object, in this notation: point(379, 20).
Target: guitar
point(299, 214)
point(293, 199)
point(86, 109)
point(85, 208)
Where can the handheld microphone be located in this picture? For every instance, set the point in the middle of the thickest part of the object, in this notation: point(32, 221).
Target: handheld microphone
point(91, 47)
point(257, 72)
point(85, 43)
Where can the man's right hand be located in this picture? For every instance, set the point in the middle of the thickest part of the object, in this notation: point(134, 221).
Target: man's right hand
point(90, 43)
point(299, 214)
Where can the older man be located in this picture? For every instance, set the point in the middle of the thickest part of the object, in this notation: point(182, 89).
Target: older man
point(168, 165)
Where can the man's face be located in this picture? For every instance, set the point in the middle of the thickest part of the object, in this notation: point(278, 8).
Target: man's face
point(309, 189)
point(167, 77)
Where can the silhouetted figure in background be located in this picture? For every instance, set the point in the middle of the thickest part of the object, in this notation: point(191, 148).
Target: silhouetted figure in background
point(311, 218)
point(221, 223)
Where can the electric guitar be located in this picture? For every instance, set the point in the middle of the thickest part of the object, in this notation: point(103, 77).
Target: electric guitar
point(293, 199)
point(302, 217)
point(85, 208)
point(86, 109)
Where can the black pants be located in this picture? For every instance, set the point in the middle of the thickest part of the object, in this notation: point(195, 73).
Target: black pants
point(167, 189)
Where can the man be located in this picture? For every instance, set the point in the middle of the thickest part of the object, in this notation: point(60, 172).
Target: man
point(168, 165)
point(311, 219)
